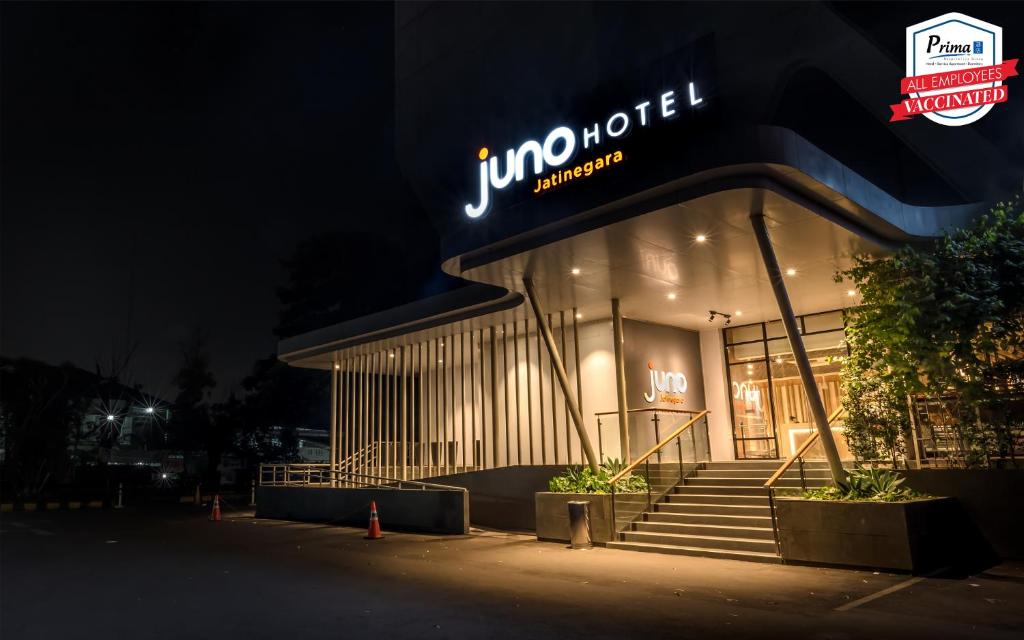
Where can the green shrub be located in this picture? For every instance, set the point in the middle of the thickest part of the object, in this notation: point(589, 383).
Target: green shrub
point(581, 479)
point(944, 321)
point(868, 484)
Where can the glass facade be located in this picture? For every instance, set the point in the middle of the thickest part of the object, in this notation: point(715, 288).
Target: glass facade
point(770, 413)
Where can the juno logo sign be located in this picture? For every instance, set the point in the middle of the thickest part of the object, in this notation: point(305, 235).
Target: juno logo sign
point(666, 386)
point(561, 144)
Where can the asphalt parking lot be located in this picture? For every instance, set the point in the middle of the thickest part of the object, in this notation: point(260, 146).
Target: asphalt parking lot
point(170, 573)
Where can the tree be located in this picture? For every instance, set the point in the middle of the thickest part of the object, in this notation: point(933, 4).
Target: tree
point(191, 425)
point(280, 399)
point(945, 320)
point(329, 278)
point(39, 406)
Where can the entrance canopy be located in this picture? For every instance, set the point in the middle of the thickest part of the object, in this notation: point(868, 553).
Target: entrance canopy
point(670, 254)
point(674, 265)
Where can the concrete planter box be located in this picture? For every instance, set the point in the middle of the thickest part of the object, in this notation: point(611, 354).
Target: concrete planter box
point(904, 536)
point(991, 503)
point(552, 512)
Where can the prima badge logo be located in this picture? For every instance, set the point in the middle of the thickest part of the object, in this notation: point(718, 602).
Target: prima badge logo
point(666, 386)
point(955, 70)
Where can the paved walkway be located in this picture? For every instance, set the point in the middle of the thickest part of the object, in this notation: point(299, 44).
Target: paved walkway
point(172, 574)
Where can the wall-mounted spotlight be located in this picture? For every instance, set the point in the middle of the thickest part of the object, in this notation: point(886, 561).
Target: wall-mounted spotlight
point(712, 314)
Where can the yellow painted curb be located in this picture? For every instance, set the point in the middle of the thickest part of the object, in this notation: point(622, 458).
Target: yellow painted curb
point(51, 506)
point(6, 507)
point(94, 504)
point(187, 499)
point(29, 506)
point(74, 505)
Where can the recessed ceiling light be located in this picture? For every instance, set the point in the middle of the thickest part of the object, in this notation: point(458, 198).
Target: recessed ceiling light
point(791, 271)
point(778, 359)
point(738, 312)
point(337, 366)
point(671, 296)
point(701, 237)
point(391, 355)
point(579, 316)
point(440, 362)
point(575, 271)
point(851, 292)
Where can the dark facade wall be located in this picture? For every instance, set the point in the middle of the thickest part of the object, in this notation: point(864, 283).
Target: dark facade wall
point(494, 74)
point(668, 349)
point(503, 498)
point(665, 351)
point(993, 501)
point(407, 510)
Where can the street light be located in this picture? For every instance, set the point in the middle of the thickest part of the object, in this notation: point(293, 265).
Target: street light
point(110, 417)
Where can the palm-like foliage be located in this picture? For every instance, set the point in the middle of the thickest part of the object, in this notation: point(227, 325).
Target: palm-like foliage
point(581, 479)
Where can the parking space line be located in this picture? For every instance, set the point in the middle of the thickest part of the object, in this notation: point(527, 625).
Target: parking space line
point(884, 592)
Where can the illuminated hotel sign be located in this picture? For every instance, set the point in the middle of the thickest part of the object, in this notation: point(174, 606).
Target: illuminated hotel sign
point(666, 386)
point(542, 158)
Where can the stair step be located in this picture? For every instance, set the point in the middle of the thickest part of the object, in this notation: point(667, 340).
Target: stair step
point(698, 516)
point(713, 542)
point(710, 530)
point(751, 556)
point(794, 483)
point(725, 482)
point(737, 490)
point(751, 465)
point(710, 497)
point(770, 464)
point(631, 498)
point(761, 473)
point(712, 508)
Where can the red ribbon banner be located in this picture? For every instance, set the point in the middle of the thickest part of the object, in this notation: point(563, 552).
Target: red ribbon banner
point(959, 78)
point(946, 101)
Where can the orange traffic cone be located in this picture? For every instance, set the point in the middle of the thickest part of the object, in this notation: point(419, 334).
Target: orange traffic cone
point(373, 532)
point(215, 516)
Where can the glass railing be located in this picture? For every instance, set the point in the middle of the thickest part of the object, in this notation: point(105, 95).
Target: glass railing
point(682, 446)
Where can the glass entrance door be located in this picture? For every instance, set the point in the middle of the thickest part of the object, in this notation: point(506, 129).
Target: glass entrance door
point(749, 385)
point(770, 412)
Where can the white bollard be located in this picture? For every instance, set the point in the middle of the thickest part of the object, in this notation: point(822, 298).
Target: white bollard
point(252, 500)
point(120, 496)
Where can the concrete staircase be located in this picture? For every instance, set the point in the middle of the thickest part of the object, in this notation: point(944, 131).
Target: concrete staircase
point(722, 511)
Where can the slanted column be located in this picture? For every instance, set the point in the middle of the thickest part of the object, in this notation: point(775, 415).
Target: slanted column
point(563, 379)
point(796, 343)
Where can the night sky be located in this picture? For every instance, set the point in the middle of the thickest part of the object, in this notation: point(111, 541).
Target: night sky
point(159, 160)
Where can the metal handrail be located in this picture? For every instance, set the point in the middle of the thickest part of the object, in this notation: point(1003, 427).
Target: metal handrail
point(399, 482)
point(798, 454)
point(647, 410)
point(636, 463)
point(324, 476)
